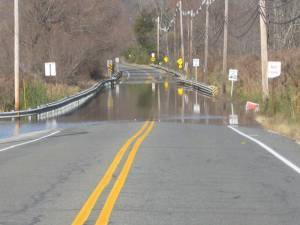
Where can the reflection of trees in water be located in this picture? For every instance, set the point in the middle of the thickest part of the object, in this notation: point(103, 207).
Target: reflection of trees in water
point(145, 97)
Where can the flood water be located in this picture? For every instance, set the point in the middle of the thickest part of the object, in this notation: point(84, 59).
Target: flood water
point(141, 95)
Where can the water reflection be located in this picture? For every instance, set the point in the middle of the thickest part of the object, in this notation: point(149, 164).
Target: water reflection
point(140, 97)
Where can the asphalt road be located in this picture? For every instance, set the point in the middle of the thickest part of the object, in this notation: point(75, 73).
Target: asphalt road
point(152, 172)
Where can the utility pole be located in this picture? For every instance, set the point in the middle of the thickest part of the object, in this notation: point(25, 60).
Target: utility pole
point(167, 43)
point(17, 57)
point(181, 31)
point(175, 41)
point(191, 37)
point(206, 42)
point(158, 35)
point(225, 50)
point(264, 49)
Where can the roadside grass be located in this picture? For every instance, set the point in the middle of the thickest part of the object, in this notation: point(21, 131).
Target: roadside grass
point(282, 125)
point(33, 92)
point(36, 92)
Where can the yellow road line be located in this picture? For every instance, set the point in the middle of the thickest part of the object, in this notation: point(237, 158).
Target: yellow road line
point(86, 210)
point(104, 216)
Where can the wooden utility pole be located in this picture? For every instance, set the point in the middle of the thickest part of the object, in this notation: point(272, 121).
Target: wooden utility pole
point(206, 42)
point(225, 50)
point(181, 31)
point(157, 38)
point(264, 49)
point(167, 43)
point(191, 37)
point(17, 57)
point(175, 41)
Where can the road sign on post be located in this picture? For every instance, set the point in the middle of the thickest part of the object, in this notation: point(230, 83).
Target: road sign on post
point(196, 64)
point(166, 59)
point(110, 67)
point(274, 69)
point(153, 58)
point(50, 69)
point(180, 63)
point(233, 77)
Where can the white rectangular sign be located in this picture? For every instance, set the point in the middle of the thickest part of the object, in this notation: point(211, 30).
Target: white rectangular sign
point(117, 60)
point(196, 62)
point(50, 69)
point(233, 75)
point(274, 69)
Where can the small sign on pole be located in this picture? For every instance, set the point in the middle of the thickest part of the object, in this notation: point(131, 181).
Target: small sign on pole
point(50, 69)
point(233, 77)
point(153, 58)
point(196, 64)
point(110, 67)
point(180, 63)
point(166, 59)
point(274, 69)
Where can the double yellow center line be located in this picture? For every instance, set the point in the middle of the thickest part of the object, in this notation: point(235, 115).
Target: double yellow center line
point(104, 216)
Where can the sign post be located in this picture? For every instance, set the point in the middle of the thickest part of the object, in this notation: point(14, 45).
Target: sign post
point(110, 67)
point(180, 63)
point(153, 58)
point(233, 77)
point(274, 71)
point(117, 61)
point(196, 64)
point(50, 69)
point(166, 59)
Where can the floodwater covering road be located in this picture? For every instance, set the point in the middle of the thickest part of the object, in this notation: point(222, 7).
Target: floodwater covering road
point(141, 94)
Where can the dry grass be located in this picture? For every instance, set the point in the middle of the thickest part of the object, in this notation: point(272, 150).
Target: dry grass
point(281, 126)
point(56, 92)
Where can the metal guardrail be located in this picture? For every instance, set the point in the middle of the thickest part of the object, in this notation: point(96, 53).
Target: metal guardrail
point(64, 105)
point(201, 87)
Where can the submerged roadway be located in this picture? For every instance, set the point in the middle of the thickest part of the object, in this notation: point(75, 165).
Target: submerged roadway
point(143, 154)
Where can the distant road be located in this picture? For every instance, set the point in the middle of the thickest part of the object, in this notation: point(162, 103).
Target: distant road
point(162, 164)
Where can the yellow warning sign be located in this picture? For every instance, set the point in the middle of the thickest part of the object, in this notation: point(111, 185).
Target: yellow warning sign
point(180, 63)
point(166, 59)
point(153, 58)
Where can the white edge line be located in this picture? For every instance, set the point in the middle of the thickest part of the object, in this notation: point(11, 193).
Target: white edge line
point(270, 150)
point(29, 142)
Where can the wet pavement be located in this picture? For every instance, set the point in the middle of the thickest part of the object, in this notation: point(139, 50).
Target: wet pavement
point(143, 93)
